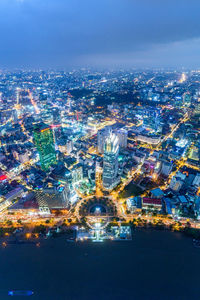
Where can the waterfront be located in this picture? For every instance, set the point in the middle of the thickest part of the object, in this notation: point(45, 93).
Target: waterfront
point(154, 265)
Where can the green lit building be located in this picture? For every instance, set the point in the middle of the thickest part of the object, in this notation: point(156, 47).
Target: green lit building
point(43, 139)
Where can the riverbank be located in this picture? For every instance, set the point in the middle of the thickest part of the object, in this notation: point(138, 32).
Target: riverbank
point(14, 235)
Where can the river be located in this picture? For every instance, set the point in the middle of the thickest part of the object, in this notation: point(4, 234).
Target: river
point(155, 265)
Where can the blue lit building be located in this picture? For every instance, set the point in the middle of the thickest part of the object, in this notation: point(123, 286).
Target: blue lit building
point(110, 162)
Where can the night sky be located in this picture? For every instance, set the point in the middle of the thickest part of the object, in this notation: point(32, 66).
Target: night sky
point(113, 33)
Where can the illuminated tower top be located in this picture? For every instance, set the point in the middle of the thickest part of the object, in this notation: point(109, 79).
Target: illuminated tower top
point(111, 144)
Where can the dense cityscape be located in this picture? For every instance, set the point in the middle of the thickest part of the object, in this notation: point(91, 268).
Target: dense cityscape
point(100, 149)
point(93, 153)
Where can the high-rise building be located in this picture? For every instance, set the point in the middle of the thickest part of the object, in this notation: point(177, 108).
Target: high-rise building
point(66, 193)
point(43, 138)
point(15, 116)
point(187, 99)
point(122, 135)
point(110, 162)
point(101, 137)
point(77, 173)
point(56, 116)
point(69, 195)
point(166, 168)
point(56, 124)
point(197, 109)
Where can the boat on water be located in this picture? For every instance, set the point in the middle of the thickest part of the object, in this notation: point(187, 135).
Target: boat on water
point(20, 293)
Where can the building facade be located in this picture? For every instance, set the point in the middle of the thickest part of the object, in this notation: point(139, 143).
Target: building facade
point(101, 137)
point(43, 138)
point(110, 162)
point(122, 135)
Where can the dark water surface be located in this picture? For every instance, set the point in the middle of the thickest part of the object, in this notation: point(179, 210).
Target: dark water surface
point(155, 265)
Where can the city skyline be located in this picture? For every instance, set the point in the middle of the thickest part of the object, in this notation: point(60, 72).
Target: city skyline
point(93, 157)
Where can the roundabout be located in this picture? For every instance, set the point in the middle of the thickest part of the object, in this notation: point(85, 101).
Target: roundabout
point(96, 211)
point(94, 206)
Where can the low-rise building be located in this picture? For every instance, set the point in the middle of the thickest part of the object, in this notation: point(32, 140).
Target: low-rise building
point(151, 202)
point(134, 204)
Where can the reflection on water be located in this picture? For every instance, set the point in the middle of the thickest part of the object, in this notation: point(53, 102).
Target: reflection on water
point(20, 293)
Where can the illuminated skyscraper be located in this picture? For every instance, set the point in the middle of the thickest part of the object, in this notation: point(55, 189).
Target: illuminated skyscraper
point(122, 135)
point(110, 162)
point(43, 138)
point(56, 116)
point(56, 124)
point(101, 137)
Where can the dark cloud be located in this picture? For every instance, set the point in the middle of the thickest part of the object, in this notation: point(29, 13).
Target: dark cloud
point(50, 33)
